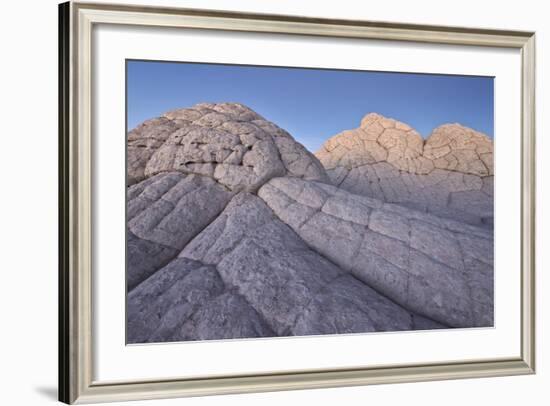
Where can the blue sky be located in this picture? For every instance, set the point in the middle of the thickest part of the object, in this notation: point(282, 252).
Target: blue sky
point(312, 104)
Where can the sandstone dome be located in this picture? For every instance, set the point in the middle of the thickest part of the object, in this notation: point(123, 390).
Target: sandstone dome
point(449, 174)
point(226, 141)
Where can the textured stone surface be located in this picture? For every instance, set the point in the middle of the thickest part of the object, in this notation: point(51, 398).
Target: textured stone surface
point(226, 141)
point(158, 306)
point(249, 275)
point(296, 290)
point(428, 265)
point(145, 258)
point(450, 174)
point(235, 230)
point(187, 300)
point(164, 212)
point(174, 207)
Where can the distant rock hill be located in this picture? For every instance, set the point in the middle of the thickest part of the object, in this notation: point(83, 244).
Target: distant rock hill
point(235, 230)
point(449, 174)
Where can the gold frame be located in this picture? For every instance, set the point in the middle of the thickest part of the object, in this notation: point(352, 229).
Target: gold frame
point(75, 271)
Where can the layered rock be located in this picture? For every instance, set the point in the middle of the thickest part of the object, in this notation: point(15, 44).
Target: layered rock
point(449, 174)
point(420, 261)
point(227, 142)
point(234, 230)
point(251, 275)
point(165, 212)
point(187, 300)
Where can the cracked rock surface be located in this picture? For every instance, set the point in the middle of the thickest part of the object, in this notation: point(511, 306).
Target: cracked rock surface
point(416, 259)
point(248, 238)
point(248, 274)
point(449, 174)
point(165, 212)
point(226, 141)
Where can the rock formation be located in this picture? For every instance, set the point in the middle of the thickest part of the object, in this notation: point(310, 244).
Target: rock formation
point(450, 174)
point(235, 230)
point(227, 142)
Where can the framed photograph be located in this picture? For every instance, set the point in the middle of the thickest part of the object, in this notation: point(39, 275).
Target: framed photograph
point(263, 202)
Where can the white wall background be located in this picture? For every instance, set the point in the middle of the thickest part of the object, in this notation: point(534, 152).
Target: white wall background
point(28, 203)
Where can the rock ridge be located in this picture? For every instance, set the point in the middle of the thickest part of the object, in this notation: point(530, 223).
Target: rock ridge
point(452, 147)
point(450, 174)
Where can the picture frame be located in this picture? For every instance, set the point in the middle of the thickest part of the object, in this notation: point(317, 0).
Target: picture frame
point(76, 214)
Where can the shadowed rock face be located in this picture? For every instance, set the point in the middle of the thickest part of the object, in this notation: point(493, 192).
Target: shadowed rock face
point(450, 174)
point(264, 246)
point(227, 142)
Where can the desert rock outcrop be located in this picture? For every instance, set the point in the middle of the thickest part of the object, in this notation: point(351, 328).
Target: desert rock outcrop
point(225, 141)
point(413, 258)
point(450, 174)
point(236, 230)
